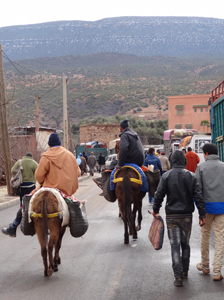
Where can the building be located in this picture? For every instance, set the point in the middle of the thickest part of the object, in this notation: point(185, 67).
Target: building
point(103, 133)
point(189, 112)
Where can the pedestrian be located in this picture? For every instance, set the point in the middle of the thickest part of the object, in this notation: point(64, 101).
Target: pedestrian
point(84, 155)
point(164, 162)
point(192, 160)
point(184, 151)
point(58, 168)
point(130, 147)
point(91, 163)
point(182, 190)
point(151, 159)
point(29, 167)
point(211, 178)
point(158, 153)
point(101, 162)
point(83, 164)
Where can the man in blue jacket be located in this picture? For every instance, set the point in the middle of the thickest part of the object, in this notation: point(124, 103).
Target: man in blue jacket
point(210, 175)
point(151, 159)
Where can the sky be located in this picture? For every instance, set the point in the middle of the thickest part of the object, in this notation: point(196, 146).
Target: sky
point(23, 12)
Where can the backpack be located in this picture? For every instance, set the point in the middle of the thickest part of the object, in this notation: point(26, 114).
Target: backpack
point(17, 177)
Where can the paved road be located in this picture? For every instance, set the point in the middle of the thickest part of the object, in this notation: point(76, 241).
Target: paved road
point(99, 266)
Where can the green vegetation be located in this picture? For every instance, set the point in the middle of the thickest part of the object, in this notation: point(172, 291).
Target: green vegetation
point(107, 84)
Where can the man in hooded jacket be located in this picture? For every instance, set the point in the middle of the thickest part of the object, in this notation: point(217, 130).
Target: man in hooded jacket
point(130, 148)
point(182, 189)
point(58, 168)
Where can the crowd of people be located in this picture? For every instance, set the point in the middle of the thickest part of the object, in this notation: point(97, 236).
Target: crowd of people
point(183, 182)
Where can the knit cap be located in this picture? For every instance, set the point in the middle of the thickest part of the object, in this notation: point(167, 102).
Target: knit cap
point(124, 124)
point(54, 140)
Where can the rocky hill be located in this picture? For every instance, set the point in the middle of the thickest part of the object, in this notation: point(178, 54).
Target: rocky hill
point(142, 36)
point(106, 84)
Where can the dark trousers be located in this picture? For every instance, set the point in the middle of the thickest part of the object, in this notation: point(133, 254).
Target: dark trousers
point(22, 192)
point(179, 232)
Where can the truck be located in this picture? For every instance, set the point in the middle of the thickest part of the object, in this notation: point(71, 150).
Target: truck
point(94, 147)
point(216, 101)
point(186, 138)
point(172, 138)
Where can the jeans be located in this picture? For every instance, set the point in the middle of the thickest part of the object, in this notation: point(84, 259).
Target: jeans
point(179, 232)
point(22, 192)
point(218, 227)
point(151, 199)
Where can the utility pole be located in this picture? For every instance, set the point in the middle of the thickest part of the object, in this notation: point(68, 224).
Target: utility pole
point(70, 136)
point(6, 151)
point(65, 112)
point(37, 115)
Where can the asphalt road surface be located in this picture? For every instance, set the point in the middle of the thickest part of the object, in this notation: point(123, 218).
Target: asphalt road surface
point(99, 265)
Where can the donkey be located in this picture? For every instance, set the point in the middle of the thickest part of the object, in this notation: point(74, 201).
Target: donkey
point(46, 220)
point(128, 193)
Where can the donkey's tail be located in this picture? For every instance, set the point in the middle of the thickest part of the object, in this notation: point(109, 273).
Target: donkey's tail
point(44, 221)
point(127, 195)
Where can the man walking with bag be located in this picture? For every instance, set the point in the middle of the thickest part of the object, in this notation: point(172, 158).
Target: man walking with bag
point(182, 189)
point(29, 166)
point(211, 180)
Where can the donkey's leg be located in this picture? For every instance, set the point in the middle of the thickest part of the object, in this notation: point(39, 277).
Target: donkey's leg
point(138, 227)
point(57, 259)
point(135, 235)
point(126, 235)
point(43, 246)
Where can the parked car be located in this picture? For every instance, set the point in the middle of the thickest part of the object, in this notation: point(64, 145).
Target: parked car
point(109, 159)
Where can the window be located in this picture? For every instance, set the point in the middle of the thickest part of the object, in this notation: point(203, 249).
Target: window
point(201, 109)
point(178, 126)
point(179, 110)
point(199, 144)
point(195, 110)
point(188, 126)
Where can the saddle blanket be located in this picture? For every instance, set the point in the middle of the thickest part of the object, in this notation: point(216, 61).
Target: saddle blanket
point(62, 205)
point(144, 187)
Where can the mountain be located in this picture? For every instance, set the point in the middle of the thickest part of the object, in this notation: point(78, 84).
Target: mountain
point(142, 36)
point(105, 84)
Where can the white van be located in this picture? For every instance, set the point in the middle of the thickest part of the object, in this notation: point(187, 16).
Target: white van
point(109, 159)
point(197, 142)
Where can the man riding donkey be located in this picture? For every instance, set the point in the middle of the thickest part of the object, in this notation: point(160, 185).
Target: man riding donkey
point(58, 168)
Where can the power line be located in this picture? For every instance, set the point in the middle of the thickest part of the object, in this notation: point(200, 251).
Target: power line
point(50, 89)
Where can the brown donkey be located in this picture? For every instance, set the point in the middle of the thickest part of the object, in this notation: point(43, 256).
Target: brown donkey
point(128, 193)
point(46, 220)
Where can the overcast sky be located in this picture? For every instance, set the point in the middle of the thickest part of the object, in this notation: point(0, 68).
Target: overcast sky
point(20, 12)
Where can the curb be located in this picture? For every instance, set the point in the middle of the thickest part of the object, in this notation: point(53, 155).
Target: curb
point(16, 201)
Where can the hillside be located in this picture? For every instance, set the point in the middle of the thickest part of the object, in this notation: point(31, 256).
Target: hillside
point(143, 36)
point(106, 84)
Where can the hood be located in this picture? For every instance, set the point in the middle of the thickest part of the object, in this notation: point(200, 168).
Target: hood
point(130, 132)
point(56, 155)
point(178, 159)
point(190, 154)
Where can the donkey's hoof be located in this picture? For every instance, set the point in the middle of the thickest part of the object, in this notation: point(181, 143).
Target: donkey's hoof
point(138, 227)
point(126, 242)
point(55, 268)
point(50, 272)
point(135, 236)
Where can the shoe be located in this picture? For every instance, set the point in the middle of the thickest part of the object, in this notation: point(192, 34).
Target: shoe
point(11, 231)
point(202, 268)
point(217, 276)
point(185, 274)
point(178, 282)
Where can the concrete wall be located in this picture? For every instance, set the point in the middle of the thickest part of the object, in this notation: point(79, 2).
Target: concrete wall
point(99, 132)
point(189, 103)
